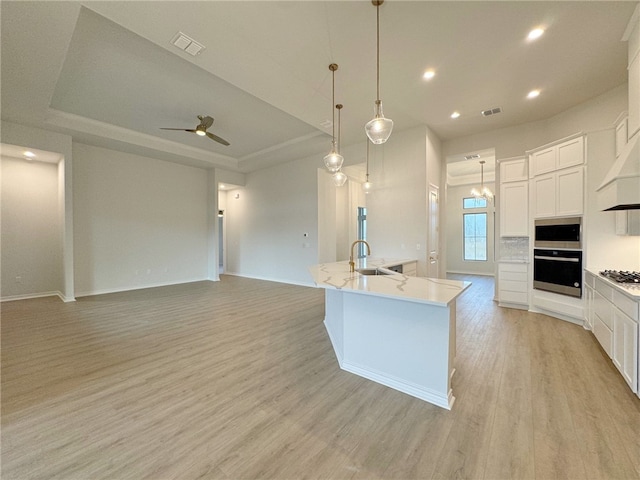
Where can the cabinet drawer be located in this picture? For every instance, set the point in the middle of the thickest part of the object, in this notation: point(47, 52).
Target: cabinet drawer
point(605, 290)
point(514, 297)
point(604, 335)
point(513, 277)
point(513, 267)
point(626, 305)
point(513, 286)
point(603, 309)
point(589, 279)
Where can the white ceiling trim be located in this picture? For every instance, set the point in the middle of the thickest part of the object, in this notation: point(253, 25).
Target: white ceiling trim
point(78, 123)
point(281, 146)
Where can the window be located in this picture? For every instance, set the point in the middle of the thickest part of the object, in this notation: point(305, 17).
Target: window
point(474, 230)
point(362, 230)
point(474, 202)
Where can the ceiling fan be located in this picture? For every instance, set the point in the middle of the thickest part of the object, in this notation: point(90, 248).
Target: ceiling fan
point(201, 129)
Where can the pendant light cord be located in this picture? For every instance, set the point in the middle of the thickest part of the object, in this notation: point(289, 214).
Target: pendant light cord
point(367, 142)
point(378, 52)
point(333, 102)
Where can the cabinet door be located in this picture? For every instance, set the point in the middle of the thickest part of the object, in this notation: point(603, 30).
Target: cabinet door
point(571, 153)
point(588, 315)
point(544, 196)
point(570, 188)
point(625, 347)
point(543, 161)
point(514, 209)
point(513, 170)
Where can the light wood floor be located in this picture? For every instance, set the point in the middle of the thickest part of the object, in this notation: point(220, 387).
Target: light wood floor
point(237, 380)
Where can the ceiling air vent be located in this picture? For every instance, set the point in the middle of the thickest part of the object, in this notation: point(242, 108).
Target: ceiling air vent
point(188, 44)
point(471, 157)
point(491, 111)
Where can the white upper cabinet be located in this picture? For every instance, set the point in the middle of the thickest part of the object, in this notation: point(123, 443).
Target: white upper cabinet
point(571, 153)
point(558, 179)
point(514, 209)
point(514, 198)
point(543, 161)
point(513, 170)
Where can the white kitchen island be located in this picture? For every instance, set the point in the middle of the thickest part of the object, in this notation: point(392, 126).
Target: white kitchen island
point(395, 329)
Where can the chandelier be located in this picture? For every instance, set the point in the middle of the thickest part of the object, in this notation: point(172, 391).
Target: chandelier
point(482, 192)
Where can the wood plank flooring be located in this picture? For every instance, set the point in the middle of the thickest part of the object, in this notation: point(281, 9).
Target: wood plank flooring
point(237, 380)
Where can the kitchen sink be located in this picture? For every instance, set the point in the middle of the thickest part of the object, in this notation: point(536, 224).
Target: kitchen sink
point(370, 271)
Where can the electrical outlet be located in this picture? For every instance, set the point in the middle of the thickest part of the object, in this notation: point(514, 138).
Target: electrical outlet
point(18, 279)
point(417, 246)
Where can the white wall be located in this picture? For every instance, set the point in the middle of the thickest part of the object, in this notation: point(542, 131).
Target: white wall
point(39, 139)
point(139, 222)
point(397, 205)
point(267, 223)
point(31, 229)
point(453, 223)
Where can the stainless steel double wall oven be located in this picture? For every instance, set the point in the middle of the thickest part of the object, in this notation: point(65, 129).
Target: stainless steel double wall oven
point(557, 255)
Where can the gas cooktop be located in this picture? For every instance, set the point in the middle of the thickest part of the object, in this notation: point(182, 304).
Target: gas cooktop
point(621, 276)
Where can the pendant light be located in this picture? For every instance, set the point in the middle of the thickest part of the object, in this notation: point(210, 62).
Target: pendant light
point(367, 186)
point(483, 192)
point(379, 128)
point(333, 160)
point(339, 178)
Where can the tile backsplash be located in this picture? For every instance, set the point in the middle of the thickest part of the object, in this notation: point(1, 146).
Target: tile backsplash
point(514, 249)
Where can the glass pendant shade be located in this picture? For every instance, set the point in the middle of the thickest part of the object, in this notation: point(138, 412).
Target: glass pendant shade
point(333, 160)
point(367, 186)
point(339, 178)
point(379, 128)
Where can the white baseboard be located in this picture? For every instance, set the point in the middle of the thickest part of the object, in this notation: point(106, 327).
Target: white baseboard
point(28, 296)
point(269, 279)
point(444, 401)
point(138, 287)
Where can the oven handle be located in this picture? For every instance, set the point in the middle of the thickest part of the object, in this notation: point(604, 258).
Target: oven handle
point(556, 259)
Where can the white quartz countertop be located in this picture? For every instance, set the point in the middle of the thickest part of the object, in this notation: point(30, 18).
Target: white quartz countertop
point(434, 291)
point(630, 289)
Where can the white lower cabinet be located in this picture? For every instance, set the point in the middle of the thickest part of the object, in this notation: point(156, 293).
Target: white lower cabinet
point(410, 269)
point(513, 281)
point(614, 319)
point(625, 347)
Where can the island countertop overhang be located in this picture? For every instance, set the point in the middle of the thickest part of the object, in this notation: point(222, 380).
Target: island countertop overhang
point(432, 291)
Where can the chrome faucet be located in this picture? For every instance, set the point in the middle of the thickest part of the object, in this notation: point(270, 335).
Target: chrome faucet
point(352, 264)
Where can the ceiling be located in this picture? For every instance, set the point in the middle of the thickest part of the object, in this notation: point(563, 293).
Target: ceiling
point(108, 74)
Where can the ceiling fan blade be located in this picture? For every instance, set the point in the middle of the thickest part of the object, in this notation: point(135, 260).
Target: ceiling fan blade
point(181, 129)
point(217, 139)
point(206, 122)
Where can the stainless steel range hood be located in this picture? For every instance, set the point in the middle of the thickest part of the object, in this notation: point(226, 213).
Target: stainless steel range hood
point(620, 189)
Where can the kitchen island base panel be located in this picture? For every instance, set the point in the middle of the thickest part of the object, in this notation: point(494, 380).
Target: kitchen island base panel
point(407, 346)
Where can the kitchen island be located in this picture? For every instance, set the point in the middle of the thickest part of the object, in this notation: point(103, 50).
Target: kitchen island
point(395, 329)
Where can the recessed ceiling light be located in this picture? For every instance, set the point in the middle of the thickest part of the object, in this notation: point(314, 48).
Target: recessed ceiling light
point(455, 114)
point(29, 154)
point(533, 93)
point(535, 33)
point(429, 74)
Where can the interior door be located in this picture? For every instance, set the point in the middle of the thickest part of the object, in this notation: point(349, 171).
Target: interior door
point(433, 260)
